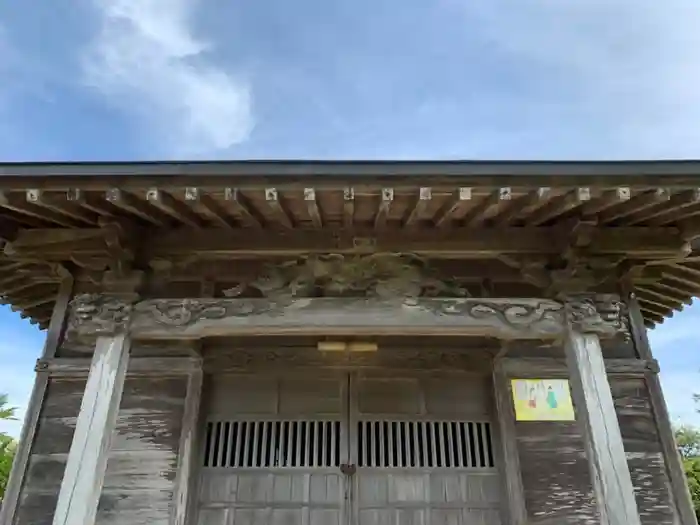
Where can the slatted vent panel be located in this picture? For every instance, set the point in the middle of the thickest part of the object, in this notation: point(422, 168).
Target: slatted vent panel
point(260, 444)
point(450, 444)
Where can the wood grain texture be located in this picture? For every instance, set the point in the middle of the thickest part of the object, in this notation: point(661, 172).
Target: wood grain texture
point(197, 318)
point(555, 474)
point(643, 450)
point(142, 465)
point(510, 467)
point(37, 399)
point(187, 451)
point(595, 412)
point(87, 460)
point(662, 420)
point(45, 466)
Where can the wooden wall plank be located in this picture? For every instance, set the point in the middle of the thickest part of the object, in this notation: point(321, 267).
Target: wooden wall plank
point(662, 419)
point(36, 401)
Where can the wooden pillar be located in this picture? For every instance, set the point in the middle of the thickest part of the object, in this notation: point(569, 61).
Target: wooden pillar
point(187, 451)
point(672, 460)
point(87, 460)
point(595, 412)
point(31, 418)
point(510, 459)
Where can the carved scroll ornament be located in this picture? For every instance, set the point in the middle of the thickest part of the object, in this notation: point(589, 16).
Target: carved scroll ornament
point(98, 314)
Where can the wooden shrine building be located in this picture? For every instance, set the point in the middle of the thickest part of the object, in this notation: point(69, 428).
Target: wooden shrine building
point(355, 343)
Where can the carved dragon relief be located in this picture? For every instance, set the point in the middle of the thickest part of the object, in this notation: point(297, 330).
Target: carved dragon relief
point(380, 275)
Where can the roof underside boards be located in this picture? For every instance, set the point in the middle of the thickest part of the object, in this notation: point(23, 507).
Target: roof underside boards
point(504, 222)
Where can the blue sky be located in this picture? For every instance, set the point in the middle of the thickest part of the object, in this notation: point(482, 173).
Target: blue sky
point(440, 79)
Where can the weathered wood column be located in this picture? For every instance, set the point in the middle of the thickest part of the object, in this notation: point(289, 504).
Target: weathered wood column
point(26, 440)
point(187, 455)
point(672, 459)
point(108, 318)
point(595, 412)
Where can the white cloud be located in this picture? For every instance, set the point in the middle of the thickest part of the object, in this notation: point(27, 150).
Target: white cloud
point(147, 59)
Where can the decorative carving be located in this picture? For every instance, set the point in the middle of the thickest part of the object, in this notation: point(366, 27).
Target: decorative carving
point(184, 312)
point(602, 314)
point(98, 314)
point(194, 318)
point(382, 275)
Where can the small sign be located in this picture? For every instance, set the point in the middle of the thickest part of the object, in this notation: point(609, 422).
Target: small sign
point(542, 400)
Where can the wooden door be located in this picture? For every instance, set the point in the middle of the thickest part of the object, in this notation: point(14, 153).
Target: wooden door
point(423, 451)
point(273, 451)
point(348, 449)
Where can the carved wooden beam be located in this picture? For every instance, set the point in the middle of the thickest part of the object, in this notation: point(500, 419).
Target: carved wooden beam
point(93, 314)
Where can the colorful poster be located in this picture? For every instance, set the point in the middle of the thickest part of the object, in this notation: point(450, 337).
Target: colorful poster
point(542, 400)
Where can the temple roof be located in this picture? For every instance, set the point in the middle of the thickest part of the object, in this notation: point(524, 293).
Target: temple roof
point(509, 223)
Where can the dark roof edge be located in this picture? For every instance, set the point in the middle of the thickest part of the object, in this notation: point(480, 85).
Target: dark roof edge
point(673, 172)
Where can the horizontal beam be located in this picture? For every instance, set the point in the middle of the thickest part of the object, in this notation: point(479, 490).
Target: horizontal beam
point(138, 366)
point(196, 318)
point(546, 367)
point(640, 243)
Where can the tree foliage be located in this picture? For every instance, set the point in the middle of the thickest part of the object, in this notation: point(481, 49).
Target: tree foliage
point(688, 441)
point(7, 445)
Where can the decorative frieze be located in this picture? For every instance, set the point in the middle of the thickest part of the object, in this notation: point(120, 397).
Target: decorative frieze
point(194, 318)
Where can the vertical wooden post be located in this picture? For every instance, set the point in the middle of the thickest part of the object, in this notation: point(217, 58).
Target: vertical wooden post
point(672, 460)
point(87, 460)
point(510, 459)
point(187, 453)
point(31, 418)
point(595, 411)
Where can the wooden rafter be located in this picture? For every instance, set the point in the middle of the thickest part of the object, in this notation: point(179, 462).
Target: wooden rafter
point(272, 198)
point(383, 209)
point(173, 207)
point(312, 207)
point(455, 203)
point(419, 206)
point(240, 205)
